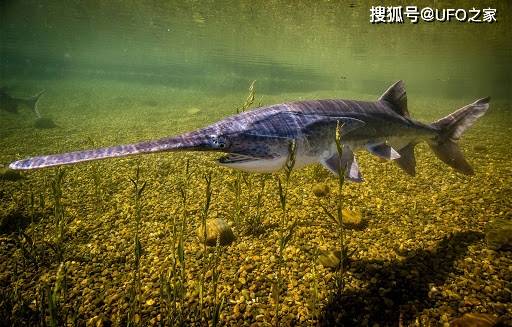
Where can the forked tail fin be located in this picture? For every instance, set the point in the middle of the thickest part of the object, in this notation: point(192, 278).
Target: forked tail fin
point(32, 103)
point(451, 128)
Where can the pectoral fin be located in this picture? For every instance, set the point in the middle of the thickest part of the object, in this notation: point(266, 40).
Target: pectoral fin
point(348, 163)
point(383, 150)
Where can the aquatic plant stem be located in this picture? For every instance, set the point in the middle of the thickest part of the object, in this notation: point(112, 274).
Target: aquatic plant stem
point(58, 213)
point(237, 184)
point(217, 306)
point(286, 230)
point(237, 189)
point(314, 287)
point(179, 264)
point(249, 100)
point(341, 228)
point(204, 216)
point(138, 189)
point(55, 297)
point(254, 223)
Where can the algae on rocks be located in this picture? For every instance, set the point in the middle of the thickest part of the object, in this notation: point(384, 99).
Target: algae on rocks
point(216, 229)
point(498, 234)
point(320, 190)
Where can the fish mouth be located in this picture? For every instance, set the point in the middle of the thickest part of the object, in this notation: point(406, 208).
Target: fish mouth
point(235, 158)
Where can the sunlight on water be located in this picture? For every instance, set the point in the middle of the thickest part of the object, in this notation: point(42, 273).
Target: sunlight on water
point(288, 46)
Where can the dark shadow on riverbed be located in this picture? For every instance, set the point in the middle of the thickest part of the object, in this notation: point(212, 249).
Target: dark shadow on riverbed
point(401, 289)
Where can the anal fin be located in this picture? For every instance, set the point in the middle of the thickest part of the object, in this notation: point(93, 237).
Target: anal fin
point(407, 161)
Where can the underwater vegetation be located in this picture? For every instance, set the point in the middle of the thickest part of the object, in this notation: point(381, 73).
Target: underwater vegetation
point(123, 243)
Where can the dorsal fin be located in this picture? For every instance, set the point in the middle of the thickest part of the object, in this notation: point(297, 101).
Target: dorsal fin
point(397, 98)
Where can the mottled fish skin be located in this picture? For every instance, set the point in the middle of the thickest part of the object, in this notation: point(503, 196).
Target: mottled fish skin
point(182, 142)
point(266, 132)
point(260, 133)
point(258, 140)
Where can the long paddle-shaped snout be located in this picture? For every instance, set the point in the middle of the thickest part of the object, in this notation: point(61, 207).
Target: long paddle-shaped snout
point(192, 141)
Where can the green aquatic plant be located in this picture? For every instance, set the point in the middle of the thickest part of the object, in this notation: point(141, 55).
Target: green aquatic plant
point(286, 229)
point(173, 281)
point(180, 282)
point(209, 262)
point(236, 185)
point(284, 185)
point(135, 289)
point(204, 216)
point(31, 241)
point(338, 218)
point(313, 301)
point(32, 205)
point(319, 173)
point(216, 273)
point(54, 298)
point(42, 201)
point(171, 295)
point(61, 221)
point(249, 100)
point(15, 307)
point(254, 223)
point(33, 249)
point(214, 264)
point(167, 297)
point(341, 228)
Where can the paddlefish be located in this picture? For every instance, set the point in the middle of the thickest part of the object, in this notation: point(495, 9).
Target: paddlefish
point(259, 140)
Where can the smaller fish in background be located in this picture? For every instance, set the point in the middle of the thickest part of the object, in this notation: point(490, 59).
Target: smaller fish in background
point(12, 104)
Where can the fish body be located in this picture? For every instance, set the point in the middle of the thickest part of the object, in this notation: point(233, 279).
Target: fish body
point(259, 140)
point(12, 104)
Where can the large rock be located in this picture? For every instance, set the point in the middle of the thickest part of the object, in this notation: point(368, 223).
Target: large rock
point(498, 234)
point(474, 320)
point(216, 228)
point(352, 217)
point(320, 190)
point(329, 259)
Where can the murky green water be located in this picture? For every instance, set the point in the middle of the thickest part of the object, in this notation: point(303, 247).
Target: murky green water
point(122, 71)
point(286, 46)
